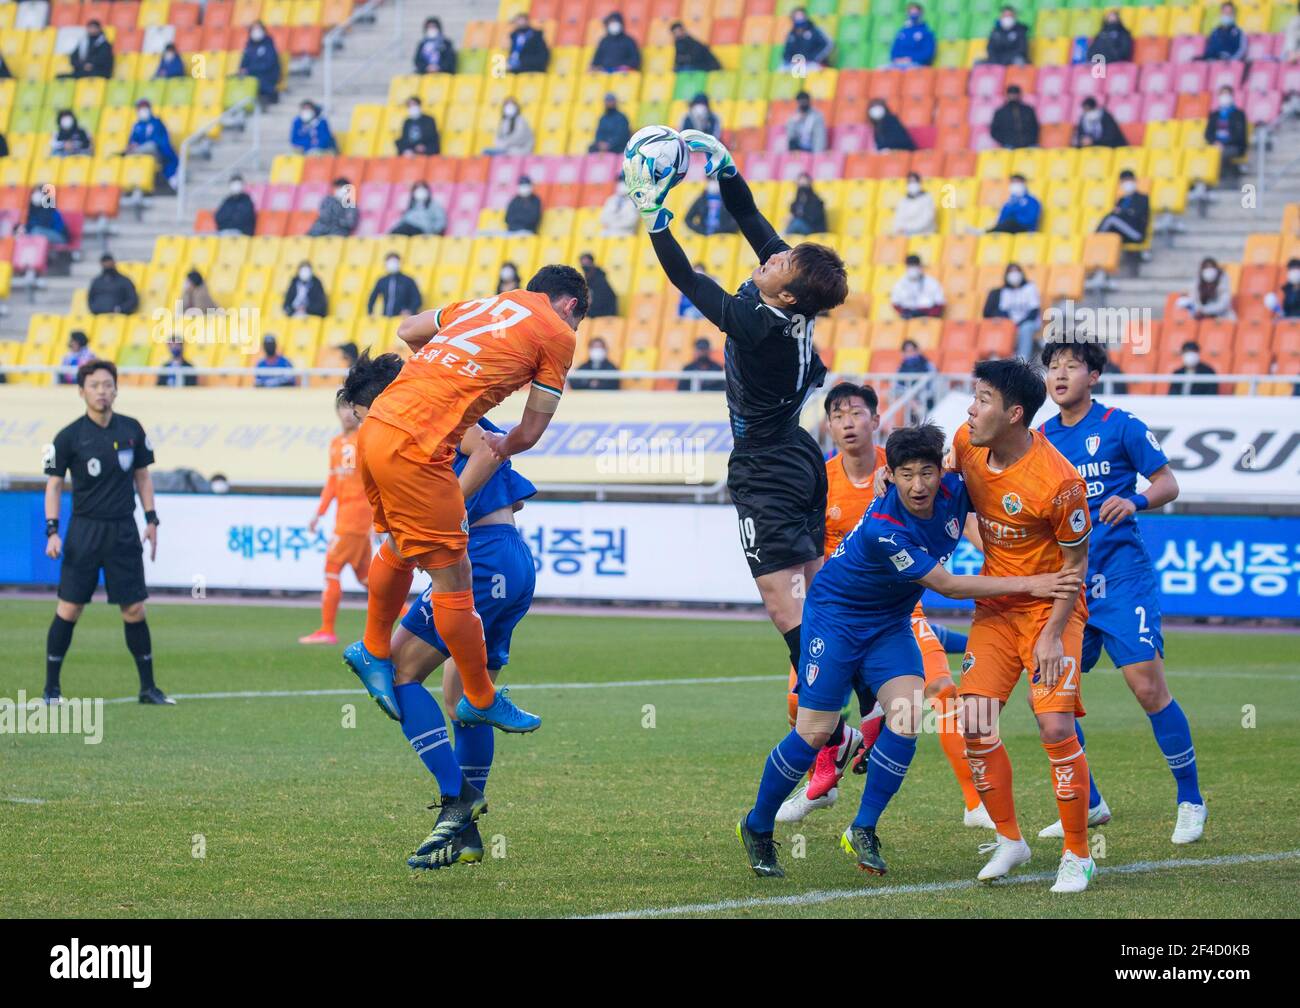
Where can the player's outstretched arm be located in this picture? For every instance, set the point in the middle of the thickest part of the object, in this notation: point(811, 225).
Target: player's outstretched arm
point(416, 330)
point(1060, 586)
point(532, 425)
point(480, 463)
point(736, 195)
point(703, 291)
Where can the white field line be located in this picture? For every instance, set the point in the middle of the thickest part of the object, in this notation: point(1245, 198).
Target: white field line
point(24, 801)
point(820, 896)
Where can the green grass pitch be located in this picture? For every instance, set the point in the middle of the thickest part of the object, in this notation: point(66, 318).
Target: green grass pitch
point(300, 815)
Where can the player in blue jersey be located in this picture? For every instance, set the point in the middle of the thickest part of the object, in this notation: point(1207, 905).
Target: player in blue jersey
point(857, 629)
point(1111, 448)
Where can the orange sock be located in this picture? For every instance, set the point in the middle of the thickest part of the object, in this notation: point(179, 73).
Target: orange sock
point(390, 583)
point(990, 770)
point(329, 600)
point(1070, 786)
point(792, 698)
point(954, 746)
point(459, 626)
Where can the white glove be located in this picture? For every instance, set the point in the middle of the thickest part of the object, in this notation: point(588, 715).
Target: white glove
point(647, 193)
point(718, 162)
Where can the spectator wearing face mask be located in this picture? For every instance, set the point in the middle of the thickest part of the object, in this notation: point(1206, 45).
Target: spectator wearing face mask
point(338, 212)
point(689, 53)
point(1015, 124)
point(1097, 127)
point(179, 371)
point(70, 140)
point(149, 136)
point(1225, 127)
point(597, 360)
point(79, 353)
point(268, 364)
point(305, 295)
point(1018, 300)
point(708, 215)
point(111, 292)
point(397, 291)
point(806, 45)
point(508, 278)
point(310, 133)
point(423, 216)
point(914, 362)
point(1008, 41)
point(1211, 295)
point(914, 44)
point(612, 130)
point(914, 214)
point(700, 116)
point(261, 61)
point(43, 219)
point(170, 64)
point(529, 52)
point(702, 361)
point(916, 294)
point(619, 217)
point(617, 51)
point(1288, 304)
point(806, 129)
point(524, 211)
point(1132, 213)
point(93, 56)
point(1021, 212)
point(603, 301)
point(514, 136)
point(887, 130)
point(807, 210)
point(1227, 41)
point(419, 136)
point(1193, 365)
point(236, 213)
point(434, 53)
point(5, 73)
point(1113, 43)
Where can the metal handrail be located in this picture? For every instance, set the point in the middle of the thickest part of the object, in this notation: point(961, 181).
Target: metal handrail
point(334, 37)
point(183, 188)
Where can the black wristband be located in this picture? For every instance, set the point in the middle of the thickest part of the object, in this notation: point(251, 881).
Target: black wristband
point(51, 527)
point(151, 518)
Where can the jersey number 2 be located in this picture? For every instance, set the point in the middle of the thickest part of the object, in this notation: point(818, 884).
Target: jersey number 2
point(504, 313)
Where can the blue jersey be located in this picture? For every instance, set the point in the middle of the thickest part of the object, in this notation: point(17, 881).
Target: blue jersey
point(504, 488)
point(1109, 448)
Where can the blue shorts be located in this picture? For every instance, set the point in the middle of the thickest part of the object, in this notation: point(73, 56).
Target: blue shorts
point(833, 659)
point(1126, 621)
point(504, 578)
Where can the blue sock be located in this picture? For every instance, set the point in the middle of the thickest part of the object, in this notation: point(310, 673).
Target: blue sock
point(953, 641)
point(785, 767)
point(474, 747)
point(426, 729)
point(1174, 737)
point(886, 766)
point(1094, 796)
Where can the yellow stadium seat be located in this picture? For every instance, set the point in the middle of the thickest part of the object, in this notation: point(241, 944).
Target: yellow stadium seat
point(286, 169)
point(993, 164)
point(1202, 164)
point(993, 250)
point(73, 171)
point(1029, 249)
point(1095, 163)
point(853, 360)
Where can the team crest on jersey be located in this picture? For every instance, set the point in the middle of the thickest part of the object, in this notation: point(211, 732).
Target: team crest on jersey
point(967, 663)
point(952, 528)
point(810, 673)
point(816, 646)
point(125, 456)
point(1011, 504)
point(833, 512)
point(1093, 443)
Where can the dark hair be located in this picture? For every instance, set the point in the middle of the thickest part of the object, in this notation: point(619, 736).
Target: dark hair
point(194, 277)
point(802, 95)
point(557, 281)
point(820, 282)
point(1190, 344)
point(349, 352)
point(1092, 355)
point(433, 21)
point(367, 378)
point(845, 391)
point(91, 366)
point(1017, 381)
point(78, 337)
point(675, 25)
point(1292, 263)
point(1126, 174)
point(341, 181)
point(915, 444)
point(1090, 103)
point(912, 260)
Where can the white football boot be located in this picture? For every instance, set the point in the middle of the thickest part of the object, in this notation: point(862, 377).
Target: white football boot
point(1098, 816)
point(796, 808)
point(978, 818)
point(1074, 874)
point(1007, 856)
point(1191, 823)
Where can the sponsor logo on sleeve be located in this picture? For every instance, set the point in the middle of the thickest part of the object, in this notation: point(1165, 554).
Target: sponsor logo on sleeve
point(902, 560)
point(1078, 519)
point(1154, 442)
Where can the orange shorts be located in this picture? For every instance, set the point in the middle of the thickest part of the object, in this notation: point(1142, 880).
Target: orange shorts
point(1001, 648)
point(414, 497)
point(933, 656)
point(350, 549)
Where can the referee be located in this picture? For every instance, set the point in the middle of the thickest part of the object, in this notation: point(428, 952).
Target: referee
point(108, 455)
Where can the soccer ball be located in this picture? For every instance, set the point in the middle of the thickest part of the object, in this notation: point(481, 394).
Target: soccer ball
point(663, 150)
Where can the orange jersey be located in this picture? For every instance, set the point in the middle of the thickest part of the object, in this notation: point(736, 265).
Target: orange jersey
point(846, 501)
point(1026, 512)
point(484, 350)
point(344, 486)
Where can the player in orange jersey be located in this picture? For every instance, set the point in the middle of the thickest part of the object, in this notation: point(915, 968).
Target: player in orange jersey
point(350, 545)
point(1033, 518)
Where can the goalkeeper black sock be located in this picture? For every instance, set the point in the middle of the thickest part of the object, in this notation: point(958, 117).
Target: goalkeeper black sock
point(57, 642)
point(140, 644)
point(792, 643)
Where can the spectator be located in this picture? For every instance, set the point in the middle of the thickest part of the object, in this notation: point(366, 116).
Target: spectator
point(93, 56)
point(619, 217)
point(1288, 305)
point(1193, 365)
point(699, 116)
point(5, 73)
point(514, 135)
point(690, 52)
point(1015, 124)
point(887, 129)
point(236, 213)
point(1132, 213)
point(1114, 42)
point(338, 212)
point(806, 129)
point(78, 354)
point(170, 64)
point(1290, 41)
point(1211, 295)
point(685, 306)
point(914, 362)
point(1008, 41)
point(1021, 212)
point(708, 215)
point(603, 302)
point(270, 361)
point(617, 51)
point(424, 215)
point(195, 295)
point(612, 130)
point(1226, 127)
point(702, 361)
point(806, 45)
point(70, 140)
point(916, 294)
point(4, 146)
point(179, 371)
point(1227, 41)
point(508, 278)
point(529, 52)
point(305, 294)
point(914, 214)
point(807, 210)
point(914, 44)
point(597, 360)
point(111, 292)
point(434, 53)
point(1018, 300)
point(419, 134)
point(310, 133)
point(1097, 127)
point(398, 291)
point(43, 217)
point(260, 60)
point(524, 211)
point(149, 136)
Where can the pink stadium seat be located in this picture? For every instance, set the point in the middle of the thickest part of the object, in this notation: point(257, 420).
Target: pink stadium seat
point(539, 168)
point(30, 253)
point(827, 165)
point(499, 195)
point(567, 171)
point(1157, 106)
point(442, 192)
point(600, 167)
point(986, 80)
point(1125, 108)
point(309, 195)
point(371, 224)
point(1083, 83)
point(257, 193)
point(1289, 78)
point(760, 166)
point(1263, 108)
point(1263, 78)
point(1121, 79)
point(505, 169)
point(468, 199)
point(1190, 78)
point(982, 109)
point(1157, 78)
point(278, 197)
point(1221, 74)
point(1260, 46)
point(849, 139)
point(980, 139)
point(695, 170)
point(76, 223)
point(1185, 48)
point(924, 136)
point(462, 224)
point(776, 140)
point(1062, 108)
point(791, 164)
point(374, 197)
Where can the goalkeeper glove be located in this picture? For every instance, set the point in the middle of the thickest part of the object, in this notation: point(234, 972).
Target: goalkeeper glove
point(647, 193)
point(718, 162)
